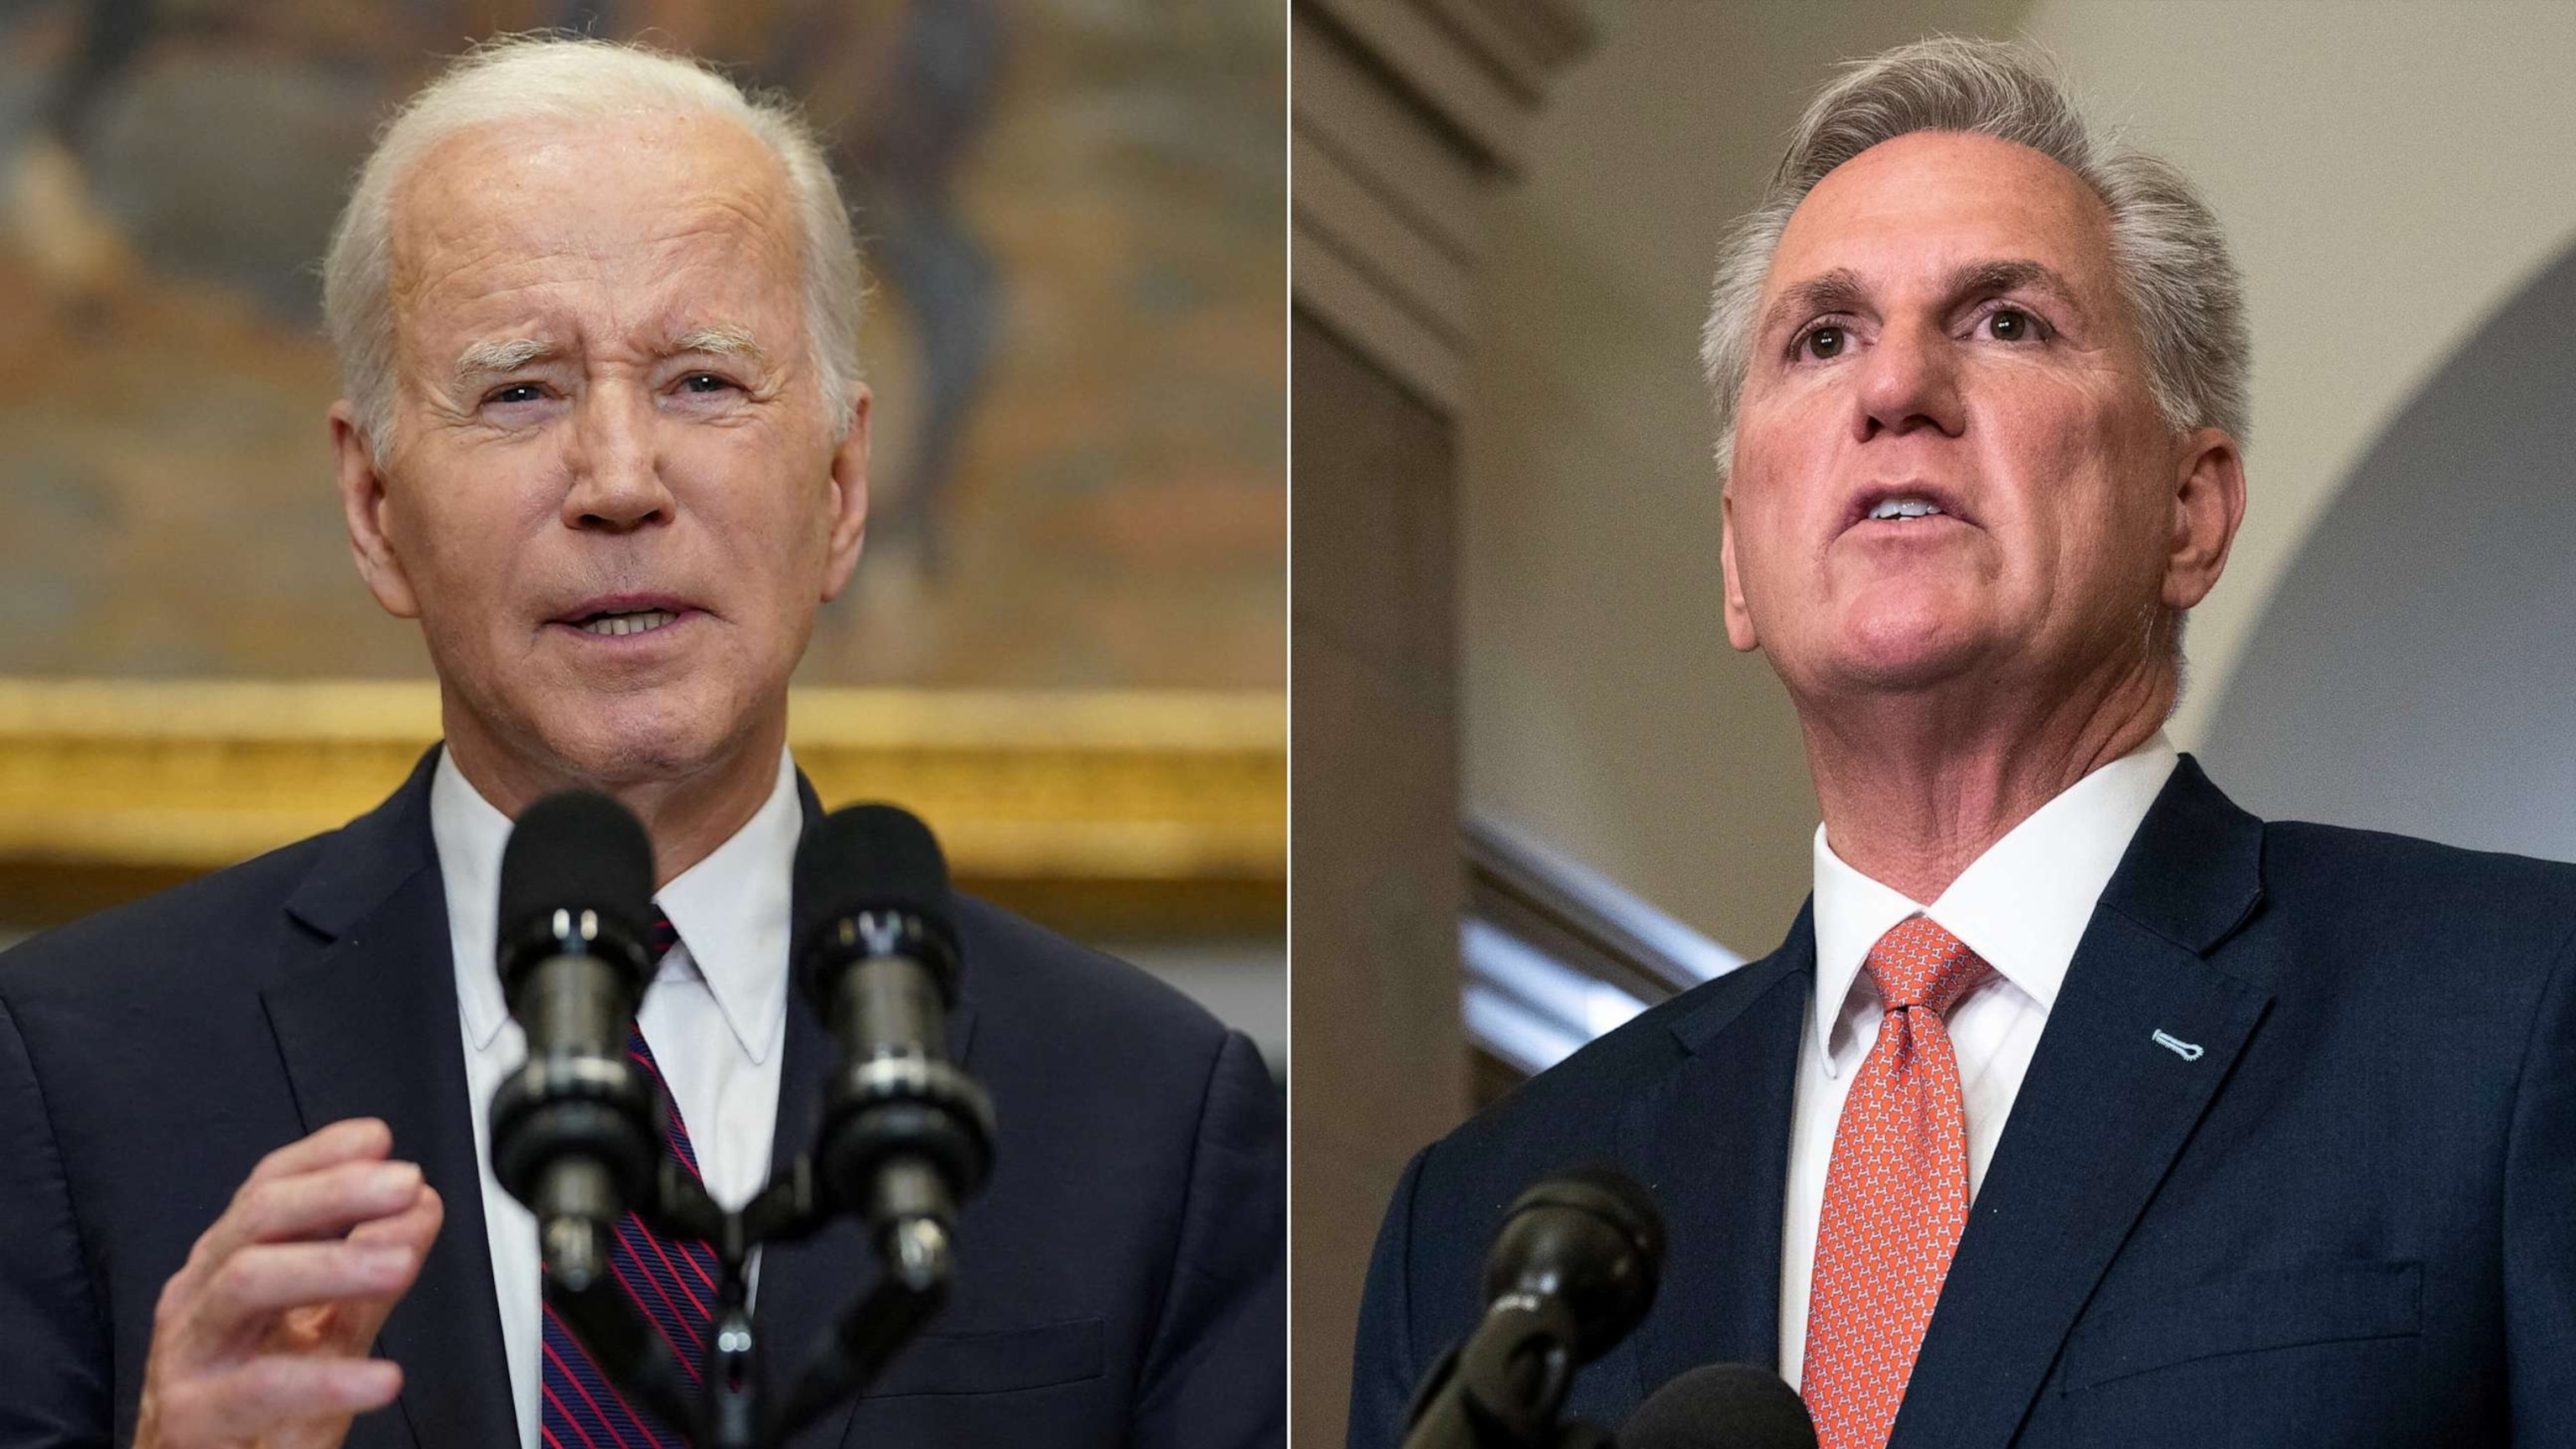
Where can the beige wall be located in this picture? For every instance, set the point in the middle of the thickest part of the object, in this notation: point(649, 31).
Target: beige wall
point(2388, 174)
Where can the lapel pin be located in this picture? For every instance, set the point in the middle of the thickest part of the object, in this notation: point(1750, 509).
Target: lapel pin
point(2188, 1051)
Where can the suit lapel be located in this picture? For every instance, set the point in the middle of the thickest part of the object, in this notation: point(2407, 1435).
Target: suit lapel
point(805, 1285)
point(366, 1024)
point(1712, 1141)
point(2099, 1119)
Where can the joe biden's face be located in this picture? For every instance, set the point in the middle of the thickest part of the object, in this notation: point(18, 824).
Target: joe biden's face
point(615, 496)
point(1948, 462)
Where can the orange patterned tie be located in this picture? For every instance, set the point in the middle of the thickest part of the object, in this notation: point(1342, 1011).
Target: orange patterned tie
point(1896, 1194)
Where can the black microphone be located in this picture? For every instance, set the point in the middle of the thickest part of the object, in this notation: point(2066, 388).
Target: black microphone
point(573, 1130)
point(906, 1135)
point(1570, 1274)
point(1721, 1406)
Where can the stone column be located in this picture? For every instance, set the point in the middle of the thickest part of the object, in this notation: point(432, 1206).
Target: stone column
point(1407, 115)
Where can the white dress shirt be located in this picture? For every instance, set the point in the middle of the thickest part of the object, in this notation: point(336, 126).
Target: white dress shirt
point(2022, 906)
point(715, 1017)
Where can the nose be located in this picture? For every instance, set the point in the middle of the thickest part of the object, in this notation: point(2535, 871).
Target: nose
point(614, 465)
point(1909, 381)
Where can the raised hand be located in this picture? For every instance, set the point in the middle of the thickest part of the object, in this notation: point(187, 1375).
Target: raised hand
point(261, 1338)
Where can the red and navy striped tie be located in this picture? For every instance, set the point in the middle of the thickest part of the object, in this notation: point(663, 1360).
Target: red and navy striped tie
point(670, 1281)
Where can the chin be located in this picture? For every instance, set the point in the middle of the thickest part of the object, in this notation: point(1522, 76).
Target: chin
point(1897, 674)
point(1890, 651)
point(626, 740)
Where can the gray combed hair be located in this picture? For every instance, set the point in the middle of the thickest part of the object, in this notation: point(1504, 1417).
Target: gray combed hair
point(554, 77)
point(2183, 292)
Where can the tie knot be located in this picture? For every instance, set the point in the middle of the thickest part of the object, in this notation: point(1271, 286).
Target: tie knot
point(665, 935)
point(1920, 964)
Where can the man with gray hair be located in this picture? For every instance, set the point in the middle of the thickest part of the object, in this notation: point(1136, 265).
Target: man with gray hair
point(2079, 1107)
point(604, 438)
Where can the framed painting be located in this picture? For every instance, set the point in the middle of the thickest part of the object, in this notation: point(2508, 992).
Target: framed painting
point(1065, 644)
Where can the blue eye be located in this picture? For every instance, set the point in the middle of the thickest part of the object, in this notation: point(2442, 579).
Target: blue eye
point(703, 382)
point(517, 392)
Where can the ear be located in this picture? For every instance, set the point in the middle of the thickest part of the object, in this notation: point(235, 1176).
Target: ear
point(849, 497)
point(1739, 616)
point(2208, 507)
point(363, 508)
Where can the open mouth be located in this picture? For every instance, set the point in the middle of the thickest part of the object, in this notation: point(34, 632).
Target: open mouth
point(1904, 505)
point(615, 624)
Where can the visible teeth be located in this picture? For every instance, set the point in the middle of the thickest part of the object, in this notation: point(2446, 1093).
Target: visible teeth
point(1905, 508)
point(621, 624)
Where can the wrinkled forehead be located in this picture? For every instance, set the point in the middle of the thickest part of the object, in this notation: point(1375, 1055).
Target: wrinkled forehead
point(1933, 203)
point(622, 207)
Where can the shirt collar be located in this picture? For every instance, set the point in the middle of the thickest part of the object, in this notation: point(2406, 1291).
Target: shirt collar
point(470, 834)
point(732, 912)
point(2022, 906)
point(731, 909)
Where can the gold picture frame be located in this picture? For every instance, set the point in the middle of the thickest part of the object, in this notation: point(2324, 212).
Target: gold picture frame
point(1105, 813)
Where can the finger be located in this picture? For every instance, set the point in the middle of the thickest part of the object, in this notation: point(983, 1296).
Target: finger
point(349, 1139)
point(319, 1204)
point(416, 1226)
point(352, 1139)
point(241, 1301)
point(274, 1390)
point(267, 1278)
point(359, 1319)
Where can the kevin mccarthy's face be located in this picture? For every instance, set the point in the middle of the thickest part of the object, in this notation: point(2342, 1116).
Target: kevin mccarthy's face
point(615, 497)
point(1948, 463)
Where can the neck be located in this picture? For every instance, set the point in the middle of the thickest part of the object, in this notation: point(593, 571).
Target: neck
point(686, 815)
point(1914, 787)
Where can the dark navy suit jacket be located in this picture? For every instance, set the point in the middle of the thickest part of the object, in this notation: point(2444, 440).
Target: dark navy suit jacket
point(1119, 1277)
point(2349, 1219)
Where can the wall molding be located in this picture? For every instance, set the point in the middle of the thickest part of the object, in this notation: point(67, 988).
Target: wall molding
point(1405, 117)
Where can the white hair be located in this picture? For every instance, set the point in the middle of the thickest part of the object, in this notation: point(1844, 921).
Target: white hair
point(551, 77)
point(2182, 290)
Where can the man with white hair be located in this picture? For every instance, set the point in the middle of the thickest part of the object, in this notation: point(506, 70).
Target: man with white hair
point(2079, 1107)
point(605, 439)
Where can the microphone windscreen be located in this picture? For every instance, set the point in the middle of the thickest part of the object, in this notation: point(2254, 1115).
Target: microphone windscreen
point(1721, 1406)
point(869, 858)
point(577, 851)
point(1591, 1237)
point(1607, 1193)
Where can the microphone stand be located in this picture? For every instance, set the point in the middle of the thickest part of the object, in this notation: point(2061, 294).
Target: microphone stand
point(1503, 1387)
point(730, 1408)
point(904, 1134)
point(908, 1117)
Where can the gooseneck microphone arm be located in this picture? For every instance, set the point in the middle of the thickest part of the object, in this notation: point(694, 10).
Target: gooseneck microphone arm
point(1571, 1272)
point(1504, 1387)
point(576, 1133)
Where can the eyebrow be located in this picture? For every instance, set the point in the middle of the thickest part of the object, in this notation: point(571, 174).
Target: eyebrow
point(1841, 289)
point(1985, 279)
point(493, 356)
point(484, 358)
point(722, 340)
point(1838, 290)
